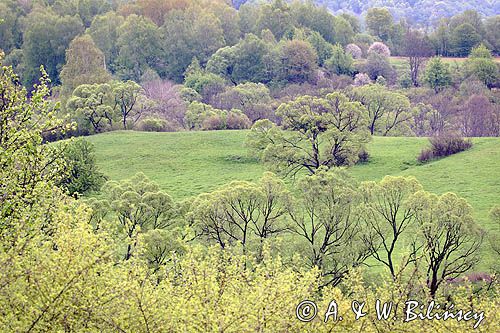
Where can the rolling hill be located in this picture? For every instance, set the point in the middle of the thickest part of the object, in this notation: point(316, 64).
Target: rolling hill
point(189, 163)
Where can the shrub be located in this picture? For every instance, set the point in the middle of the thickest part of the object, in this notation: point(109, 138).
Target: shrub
point(154, 125)
point(237, 120)
point(82, 175)
point(362, 79)
point(381, 80)
point(442, 146)
point(363, 156)
point(405, 81)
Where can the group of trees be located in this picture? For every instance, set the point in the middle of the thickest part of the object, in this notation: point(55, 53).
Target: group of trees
point(165, 36)
point(182, 64)
point(132, 259)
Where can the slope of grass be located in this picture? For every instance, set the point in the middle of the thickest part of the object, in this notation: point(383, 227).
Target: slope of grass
point(189, 163)
point(182, 163)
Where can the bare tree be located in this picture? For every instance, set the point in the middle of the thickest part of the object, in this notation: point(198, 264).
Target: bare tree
point(167, 100)
point(417, 48)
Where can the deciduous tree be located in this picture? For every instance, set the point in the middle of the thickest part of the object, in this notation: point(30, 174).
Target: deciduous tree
point(327, 218)
point(387, 110)
point(450, 235)
point(314, 132)
point(85, 64)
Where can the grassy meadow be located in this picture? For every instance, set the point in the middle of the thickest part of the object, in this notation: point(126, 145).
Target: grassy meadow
point(189, 163)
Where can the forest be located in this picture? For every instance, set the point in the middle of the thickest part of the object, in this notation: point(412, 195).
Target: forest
point(211, 165)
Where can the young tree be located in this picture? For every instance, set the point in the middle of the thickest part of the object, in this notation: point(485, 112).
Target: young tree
point(314, 132)
point(389, 216)
point(139, 205)
point(387, 110)
point(241, 213)
point(481, 65)
point(126, 97)
point(91, 104)
point(327, 217)
point(450, 235)
point(437, 74)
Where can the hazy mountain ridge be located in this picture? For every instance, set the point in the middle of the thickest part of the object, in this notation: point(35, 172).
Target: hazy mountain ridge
point(424, 12)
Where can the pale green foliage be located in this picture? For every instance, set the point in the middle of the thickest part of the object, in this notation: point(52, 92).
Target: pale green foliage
point(389, 215)
point(495, 237)
point(28, 168)
point(91, 105)
point(102, 105)
point(387, 110)
point(314, 132)
point(139, 205)
point(127, 101)
point(450, 235)
point(327, 217)
point(242, 213)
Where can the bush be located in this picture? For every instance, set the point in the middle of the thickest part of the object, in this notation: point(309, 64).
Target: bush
point(442, 146)
point(362, 79)
point(363, 156)
point(156, 124)
point(82, 175)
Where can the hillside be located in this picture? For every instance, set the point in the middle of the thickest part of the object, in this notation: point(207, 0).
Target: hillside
point(188, 163)
point(418, 11)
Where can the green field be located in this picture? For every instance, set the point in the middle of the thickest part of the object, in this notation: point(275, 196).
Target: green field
point(188, 163)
